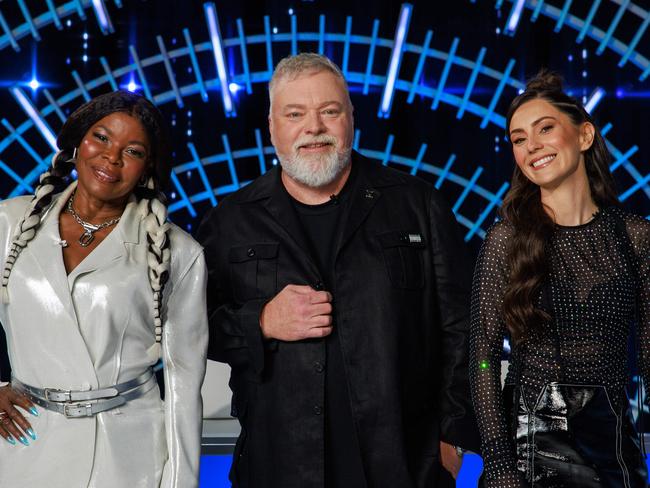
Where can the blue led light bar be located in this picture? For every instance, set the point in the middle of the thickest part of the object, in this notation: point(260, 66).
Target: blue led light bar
point(420, 66)
point(588, 20)
point(29, 19)
point(371, 56)
point(103, 19)
point(594, 99)
point(612, 27)
point(195, 64)
point(55, 16)
point(445, 73)
point(140, 69)
point(170, 72)
point(562, 17)
point(219, 58)
point(395, 59)
point(538, 9)
point(635, 40)
point(514, 17)
point(34, 114)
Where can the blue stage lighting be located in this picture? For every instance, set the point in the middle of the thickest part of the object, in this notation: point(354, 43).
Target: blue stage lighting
point(103, 18)
point(234, 88)
point(35, 115)
point(514, 17)
point(217, 48)
point(395, 59)
point(34, 84)
point(594, 99)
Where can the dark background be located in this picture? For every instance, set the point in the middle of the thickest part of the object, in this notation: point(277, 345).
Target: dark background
point(535, 45)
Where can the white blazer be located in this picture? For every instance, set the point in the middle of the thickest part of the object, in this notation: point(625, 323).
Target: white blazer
point(91, 329)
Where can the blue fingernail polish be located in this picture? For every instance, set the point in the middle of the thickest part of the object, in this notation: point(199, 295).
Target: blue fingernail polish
point(23, 440)
point(33, 411)
point(31, 433)
point(11, 440)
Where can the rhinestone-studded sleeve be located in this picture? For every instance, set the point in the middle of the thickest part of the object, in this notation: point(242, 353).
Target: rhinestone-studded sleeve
point(486, 344)
point(639, 231)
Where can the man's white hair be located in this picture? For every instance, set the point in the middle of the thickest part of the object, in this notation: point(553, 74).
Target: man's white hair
point(292, 67)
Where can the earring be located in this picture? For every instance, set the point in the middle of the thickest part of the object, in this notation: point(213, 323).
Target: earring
point(73, 159)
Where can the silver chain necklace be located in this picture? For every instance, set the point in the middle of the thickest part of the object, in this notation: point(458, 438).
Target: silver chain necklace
point(88, 234)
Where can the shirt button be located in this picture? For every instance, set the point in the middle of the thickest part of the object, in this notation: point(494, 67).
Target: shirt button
point(319, 367)
point(318, 286)
point(251, 252)
point(317, 410)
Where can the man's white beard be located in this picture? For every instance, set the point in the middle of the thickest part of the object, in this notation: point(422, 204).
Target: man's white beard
point(315, 170)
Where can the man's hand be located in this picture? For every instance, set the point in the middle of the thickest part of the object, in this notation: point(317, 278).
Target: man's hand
point(449, 459)
point(296, 313)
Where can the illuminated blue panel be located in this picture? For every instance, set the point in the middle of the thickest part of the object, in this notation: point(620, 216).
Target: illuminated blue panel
point(294, 35)
point(497, 93)
point(395, 59)
point(418, 159)
point(109, 73)
point(195, 64)
point(138, 67)
point(231, 162)
point(514, 17)
point(389, 148)
point(445, 172)
point(622, 158)
point(260, 151)
point(269, 48)
point(184, 201)
point(637, 186)
point(494, 202)
point(244, 56)
point(357, 137)
point(635, 41)
point(55, 105)
point(538, 9)
point(471, 82)
point(80, 84)
point(445, 73)
point(21, 140)
point(219, 58)
point(594, 99)
point(28, 18)
point(55, 16)
point(612, 27)
point(27, 188)
point(321, 34)
point(468, 188)
point(346, 45)
point(35, 115)
point(80, 9)
point(8, 33)
point(418, 70)
point(588, 21)
point(103, 19)
point(371, 56)
point(498, 4)
point(202, 174)
point(562, 17)
point(170, 72)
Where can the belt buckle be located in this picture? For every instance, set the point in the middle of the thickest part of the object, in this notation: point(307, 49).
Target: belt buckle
point(74, 410)
point(54, 395)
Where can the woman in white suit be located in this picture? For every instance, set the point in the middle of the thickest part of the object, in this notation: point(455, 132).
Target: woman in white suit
point(96, 287)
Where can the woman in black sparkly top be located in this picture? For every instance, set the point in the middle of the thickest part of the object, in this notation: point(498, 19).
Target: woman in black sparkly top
point(566, 273)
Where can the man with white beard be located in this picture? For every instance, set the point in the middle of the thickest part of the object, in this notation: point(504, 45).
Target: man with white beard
point(338, 294)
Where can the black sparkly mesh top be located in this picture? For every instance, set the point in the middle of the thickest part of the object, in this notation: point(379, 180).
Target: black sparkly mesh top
point(598, 281)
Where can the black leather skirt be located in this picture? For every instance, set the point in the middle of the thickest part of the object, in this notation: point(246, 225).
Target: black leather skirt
point(573, 436)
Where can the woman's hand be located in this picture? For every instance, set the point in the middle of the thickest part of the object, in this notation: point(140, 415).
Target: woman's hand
point(13, 425)
point(450, 459)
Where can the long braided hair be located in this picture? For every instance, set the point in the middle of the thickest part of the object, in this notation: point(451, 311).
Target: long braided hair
point(523, 209)
point(149, 193)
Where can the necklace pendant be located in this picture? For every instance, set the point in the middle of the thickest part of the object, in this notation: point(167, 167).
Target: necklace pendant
point(86, 238)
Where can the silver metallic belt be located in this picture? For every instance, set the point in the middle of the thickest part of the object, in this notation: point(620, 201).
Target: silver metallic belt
point(88, 403)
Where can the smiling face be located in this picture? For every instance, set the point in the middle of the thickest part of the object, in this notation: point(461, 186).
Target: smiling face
point(311, 126)
point(111, 159)
point(548, 147)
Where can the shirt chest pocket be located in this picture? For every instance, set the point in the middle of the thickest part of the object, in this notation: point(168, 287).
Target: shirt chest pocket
point(403, 257)
point(253, 270)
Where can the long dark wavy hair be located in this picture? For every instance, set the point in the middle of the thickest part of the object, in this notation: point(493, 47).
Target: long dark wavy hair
point(523, 209)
